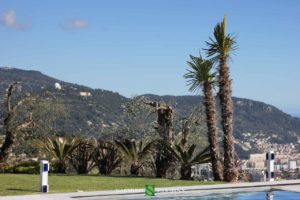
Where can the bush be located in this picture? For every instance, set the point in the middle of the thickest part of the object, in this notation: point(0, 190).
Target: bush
point(27, 170)
point(24, 168)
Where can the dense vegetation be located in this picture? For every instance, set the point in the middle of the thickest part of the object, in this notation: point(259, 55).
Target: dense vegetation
point(105, 110)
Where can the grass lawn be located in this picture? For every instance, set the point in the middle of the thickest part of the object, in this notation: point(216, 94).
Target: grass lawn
point(20, 184)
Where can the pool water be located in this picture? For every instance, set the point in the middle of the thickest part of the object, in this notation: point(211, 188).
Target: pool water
point(273, 195)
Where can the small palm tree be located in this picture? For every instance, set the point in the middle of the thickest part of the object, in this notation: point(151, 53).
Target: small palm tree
point(189, 157)
point(161, 159)
point(106, 157)
point(82, 156)
point(59, 149)
point(135, 153)
point(219, 49)
point(201, 77)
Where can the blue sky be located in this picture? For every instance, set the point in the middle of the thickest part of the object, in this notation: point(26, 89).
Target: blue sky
point(135, 47)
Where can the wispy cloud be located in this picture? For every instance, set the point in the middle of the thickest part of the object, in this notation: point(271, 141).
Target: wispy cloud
point(77, 24)
point(9, 19)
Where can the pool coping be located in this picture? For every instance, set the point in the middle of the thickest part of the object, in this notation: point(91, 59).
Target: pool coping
point(290, 185)
point(203, 189)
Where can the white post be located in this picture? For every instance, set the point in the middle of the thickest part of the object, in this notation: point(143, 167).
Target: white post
point(270, 158)
point(44, 168)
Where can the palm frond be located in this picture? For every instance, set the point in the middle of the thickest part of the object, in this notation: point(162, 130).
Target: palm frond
point(200, 73)
point(182, 153)
point(202, 157)
point(145, 151)
point(123, 148)
point(191, 150)
point(222, 44)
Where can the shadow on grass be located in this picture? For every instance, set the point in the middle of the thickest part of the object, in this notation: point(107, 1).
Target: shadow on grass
point(22, 190)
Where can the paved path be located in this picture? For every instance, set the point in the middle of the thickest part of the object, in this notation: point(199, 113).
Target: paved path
point(291, 185)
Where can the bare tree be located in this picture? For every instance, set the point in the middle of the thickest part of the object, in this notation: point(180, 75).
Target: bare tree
point(11, 124)
point(188, 123)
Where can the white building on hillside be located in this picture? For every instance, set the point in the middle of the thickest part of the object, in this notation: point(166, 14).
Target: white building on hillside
point(85, 94)
point(57, 86)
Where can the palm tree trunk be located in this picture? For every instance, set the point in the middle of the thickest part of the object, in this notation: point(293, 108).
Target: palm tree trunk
point(134, 169)
point(186, 172)
point(225, 95)
point(211, 120)
point(161, 164)
point(61, 167)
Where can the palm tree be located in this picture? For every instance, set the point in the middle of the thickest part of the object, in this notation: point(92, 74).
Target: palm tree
point(59, 149)
point(219, 49)
point(161, 159)
point(82, 156)
point(201, 77)
point(188, 157)
point(106, 157)
point(135, 153)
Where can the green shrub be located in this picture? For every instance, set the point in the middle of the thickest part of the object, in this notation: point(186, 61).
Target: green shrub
point(9, 169)
point(27, 170)
point(24, 168)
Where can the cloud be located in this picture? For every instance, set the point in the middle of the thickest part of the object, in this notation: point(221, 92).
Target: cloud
point(77, 24)
point(9, 20)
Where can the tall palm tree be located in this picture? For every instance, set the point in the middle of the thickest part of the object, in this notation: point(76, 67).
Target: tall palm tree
point(59, 149)
point(201, 77)
point(188, 157)
point(219, 49)
point(135, 153)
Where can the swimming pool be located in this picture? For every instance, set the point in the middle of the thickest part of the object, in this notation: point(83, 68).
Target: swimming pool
point(269, 195)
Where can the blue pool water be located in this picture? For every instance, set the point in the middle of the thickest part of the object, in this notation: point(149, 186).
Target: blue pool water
point(274, 195)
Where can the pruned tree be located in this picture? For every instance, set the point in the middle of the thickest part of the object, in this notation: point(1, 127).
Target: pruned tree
point(164, 120)
point(12, 123)
point(161, 158)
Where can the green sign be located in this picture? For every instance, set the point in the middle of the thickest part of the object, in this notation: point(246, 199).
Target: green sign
point(149, 190)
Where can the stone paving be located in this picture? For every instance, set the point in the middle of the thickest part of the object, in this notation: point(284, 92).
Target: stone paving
point(290, 185)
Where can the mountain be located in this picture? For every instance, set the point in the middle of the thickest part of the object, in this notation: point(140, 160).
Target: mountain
point(88, 109)
point(257, 126)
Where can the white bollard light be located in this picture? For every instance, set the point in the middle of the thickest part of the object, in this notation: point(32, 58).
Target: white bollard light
point(270, 158)
point(44, 168)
